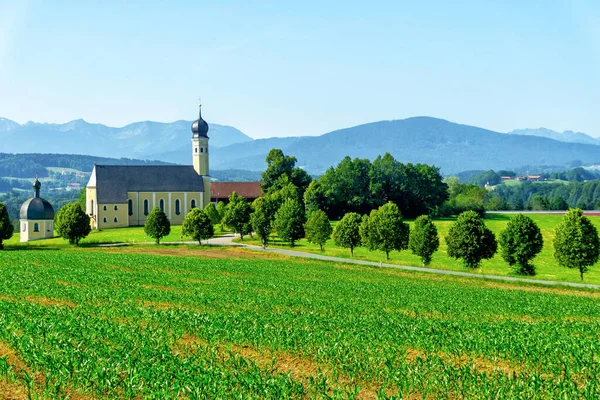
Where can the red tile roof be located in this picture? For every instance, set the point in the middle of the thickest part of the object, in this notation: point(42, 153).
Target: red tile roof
point(222, 190)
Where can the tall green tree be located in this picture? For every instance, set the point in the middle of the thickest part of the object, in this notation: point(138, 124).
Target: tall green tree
point(289, 221)
point(385, 230)
point(237, 214)
point(520, 242)
point(424, 240)
point(221, 210)
point(72, 223)
point(576, 242)
point(318, 229)
point(315, 198)
point(262, 219)
point(280, 171)
point(346, 233)
point(470, 240)
point(197, 225)
point(212, 213)
point(6, 227)
point(157, 225)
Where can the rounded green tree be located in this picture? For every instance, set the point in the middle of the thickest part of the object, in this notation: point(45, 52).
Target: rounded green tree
point(470, 240)
point(72, 223)
point(318, 229)
point(289, 221)
point(197, 225)
point(6, 227)
point(262, 219)
point(385, 230)
point(157, 225)
point(520, 242)
point(237, 214)
point(424, 240)
point(576, 242)
point(346, 233)
point(212, 213)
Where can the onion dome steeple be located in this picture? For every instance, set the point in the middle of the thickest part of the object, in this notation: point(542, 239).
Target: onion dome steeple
point(37, 208)
point(37, 185)
point(200, 127)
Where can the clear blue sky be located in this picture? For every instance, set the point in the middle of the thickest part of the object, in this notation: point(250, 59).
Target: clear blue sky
point(283, 68)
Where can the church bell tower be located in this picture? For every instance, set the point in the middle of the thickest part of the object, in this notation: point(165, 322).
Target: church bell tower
point(200, 144)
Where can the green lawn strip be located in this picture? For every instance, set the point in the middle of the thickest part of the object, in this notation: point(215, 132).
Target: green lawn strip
point(367, 329)
point(546, 266)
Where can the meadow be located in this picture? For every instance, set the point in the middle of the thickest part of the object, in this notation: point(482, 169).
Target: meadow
point(547, 268)
point(198, 322)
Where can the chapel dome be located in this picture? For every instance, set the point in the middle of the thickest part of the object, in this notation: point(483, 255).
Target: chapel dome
point(36, 207)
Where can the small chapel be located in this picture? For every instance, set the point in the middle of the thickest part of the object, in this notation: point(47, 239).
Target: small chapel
point(37, 216)
point(119, 196)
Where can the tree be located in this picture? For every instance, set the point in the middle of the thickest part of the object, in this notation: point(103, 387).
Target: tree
point(212, 213)
point(576, 242)
point(281, 170)
point(197, 225)
point(237, 214)
point(520, 242)
point(318, 229)
point(221, 210)
point(424, 240)
point(346, 233)
point(262, 219)
point(289, 221)
point(384, 230)
point(72, 223)
point(314, 197)
point(6, 227)
point(470, 240)
point(157, 225)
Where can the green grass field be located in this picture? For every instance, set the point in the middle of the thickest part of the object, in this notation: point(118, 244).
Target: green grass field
point(547, 268)
point(193, 322)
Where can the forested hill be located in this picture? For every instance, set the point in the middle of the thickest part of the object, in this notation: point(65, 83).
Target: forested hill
point(27, 165)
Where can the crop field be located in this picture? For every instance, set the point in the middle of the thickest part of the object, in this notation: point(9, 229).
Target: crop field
point(193, 322)
point(547, 268)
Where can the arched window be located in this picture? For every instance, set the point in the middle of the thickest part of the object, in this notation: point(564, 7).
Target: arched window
point(105, 208)
point(193, 204)
point(130, 205)
point(116, 207)
point(196, 149)
point(162, 205)
point(177, 207)
point(116, 219)
point(146, 207)
point(105, 220)
point(202, 150)
point(36, 227)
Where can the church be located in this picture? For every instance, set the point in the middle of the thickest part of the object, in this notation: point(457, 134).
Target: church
point(119, 196)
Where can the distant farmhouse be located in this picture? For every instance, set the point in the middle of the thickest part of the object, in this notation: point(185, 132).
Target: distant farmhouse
point(120, 196)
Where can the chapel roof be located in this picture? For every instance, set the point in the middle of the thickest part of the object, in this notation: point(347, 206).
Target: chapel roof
point(112, 182)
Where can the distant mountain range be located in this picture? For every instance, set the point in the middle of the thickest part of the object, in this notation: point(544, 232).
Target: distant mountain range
point(453, 147)
point(566, 136)
point(137, 140)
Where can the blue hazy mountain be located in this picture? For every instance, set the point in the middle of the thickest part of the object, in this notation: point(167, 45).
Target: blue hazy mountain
point(566, 136)
point(453, 147)
point(136, 140)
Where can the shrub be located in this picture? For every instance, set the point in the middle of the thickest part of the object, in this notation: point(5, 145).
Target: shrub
point(6, 227)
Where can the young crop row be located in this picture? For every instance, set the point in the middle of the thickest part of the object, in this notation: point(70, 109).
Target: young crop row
point(125, 325)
